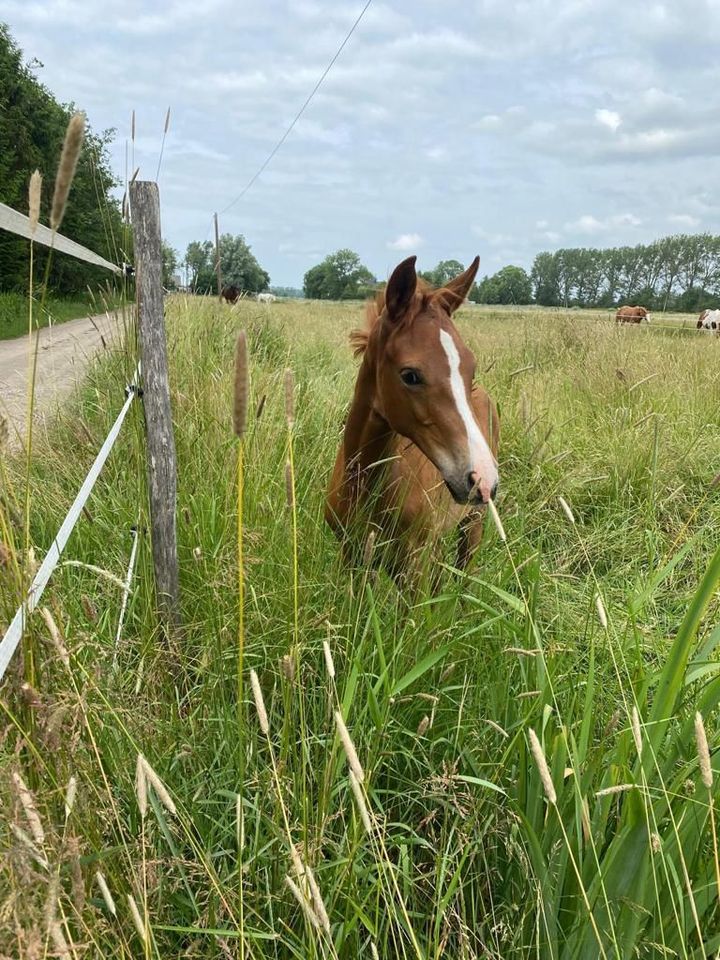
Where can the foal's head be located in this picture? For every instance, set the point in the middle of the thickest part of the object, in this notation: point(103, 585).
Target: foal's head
point(424, 379)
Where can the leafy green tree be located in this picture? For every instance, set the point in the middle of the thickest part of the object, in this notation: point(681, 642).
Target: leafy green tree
point(32, 128)
point(199, 258)
point(239, 265)
point(509, 285)
point(341, 276)
point(544, 277)
point(169, 265)
point(443, 272)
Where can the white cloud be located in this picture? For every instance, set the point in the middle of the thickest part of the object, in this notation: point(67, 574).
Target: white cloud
point(684, 220)
point(551, 235)
point(608, 118)
point(406, 241)
point(586, 224)
point(590, 224)
point(437, 153)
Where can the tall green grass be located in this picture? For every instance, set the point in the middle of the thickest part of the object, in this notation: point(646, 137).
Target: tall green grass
point(449, 843)
point(14, 311)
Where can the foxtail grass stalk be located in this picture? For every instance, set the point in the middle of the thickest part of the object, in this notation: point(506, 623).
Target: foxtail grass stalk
point(549, 788)
point(66, 169)
point(706, 774)
point(292, 497)
point(240, 408)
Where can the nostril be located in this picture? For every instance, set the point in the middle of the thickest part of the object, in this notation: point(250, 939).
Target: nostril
point(494, 490)
point(471, 479)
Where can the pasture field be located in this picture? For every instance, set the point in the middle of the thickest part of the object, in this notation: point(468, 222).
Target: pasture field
point(459, 845)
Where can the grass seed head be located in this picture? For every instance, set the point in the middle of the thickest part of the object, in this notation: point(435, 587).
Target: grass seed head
point(34, 191)
point(542, 766)
point(259, 703)
point(287, 667)
point(158, 786)
point(618, 788)
point(566, 509)
point(137, 918)
point(105, 891)
point(59, 942)
point(636, 730)
point(703, 751)
point(497, 521)
point(369, 548)
point(318, 902)
point(329, 662)
point(303, 901)
point(423, 726)
point(70, 793)
point(27, 802)
point(66, 170)
point(55, 637)
point(360, 801)
point(78, 881)
point(349, 747)
point(602, 615)
point(240, 394)
point(51, 901)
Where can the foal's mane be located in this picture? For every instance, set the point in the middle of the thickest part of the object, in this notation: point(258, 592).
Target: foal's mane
point(360, 337)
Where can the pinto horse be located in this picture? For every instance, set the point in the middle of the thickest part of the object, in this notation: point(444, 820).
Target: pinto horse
point(418, 455)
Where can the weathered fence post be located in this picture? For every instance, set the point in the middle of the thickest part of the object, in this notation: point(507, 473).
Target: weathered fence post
point(162, 465)
point(217, 259)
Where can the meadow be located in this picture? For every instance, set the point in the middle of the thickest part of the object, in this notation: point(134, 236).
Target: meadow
point(591, 628)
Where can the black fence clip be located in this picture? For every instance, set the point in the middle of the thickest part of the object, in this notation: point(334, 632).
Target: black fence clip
point(134, 388)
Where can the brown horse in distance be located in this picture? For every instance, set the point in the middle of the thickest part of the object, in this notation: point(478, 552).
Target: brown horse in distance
point(418, 455)
point(632, 315)
point(231, 294)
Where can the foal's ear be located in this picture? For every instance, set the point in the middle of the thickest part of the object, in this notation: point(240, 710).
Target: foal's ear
point(400, 288)
point(454, 292)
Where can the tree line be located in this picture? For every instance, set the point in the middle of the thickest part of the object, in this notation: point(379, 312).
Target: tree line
point(32, 128)
point(680, 272)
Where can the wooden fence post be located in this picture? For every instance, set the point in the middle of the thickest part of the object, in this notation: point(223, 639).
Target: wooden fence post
point(217, 259)
point(162, 465)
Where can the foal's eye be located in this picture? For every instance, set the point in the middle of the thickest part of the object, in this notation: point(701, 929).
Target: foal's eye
point(411, 378)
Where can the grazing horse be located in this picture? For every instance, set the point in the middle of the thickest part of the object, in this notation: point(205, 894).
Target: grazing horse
point(231, 294)
point(632, 315)
point(709, 320)
point(266, 298)
point(418, 455)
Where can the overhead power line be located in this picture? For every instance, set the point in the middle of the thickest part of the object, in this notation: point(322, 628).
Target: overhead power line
point(300, 112)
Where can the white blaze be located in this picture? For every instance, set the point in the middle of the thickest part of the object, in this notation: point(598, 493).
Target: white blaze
point(481, 459)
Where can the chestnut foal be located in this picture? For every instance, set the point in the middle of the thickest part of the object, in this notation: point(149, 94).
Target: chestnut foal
point(419, 450)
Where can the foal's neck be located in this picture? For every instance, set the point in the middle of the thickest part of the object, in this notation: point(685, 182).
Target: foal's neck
point(368, 437)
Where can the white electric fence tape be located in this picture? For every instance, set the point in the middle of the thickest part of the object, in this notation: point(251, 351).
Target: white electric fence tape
point(126, 594)
point(14, 632)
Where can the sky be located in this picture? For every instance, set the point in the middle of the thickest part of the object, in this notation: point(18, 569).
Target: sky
point(446, 128)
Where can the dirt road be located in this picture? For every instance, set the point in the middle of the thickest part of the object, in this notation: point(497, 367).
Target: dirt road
point(64, 353)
